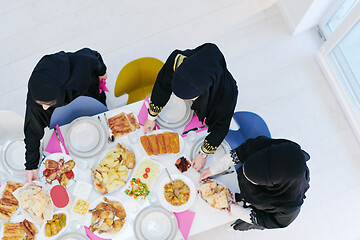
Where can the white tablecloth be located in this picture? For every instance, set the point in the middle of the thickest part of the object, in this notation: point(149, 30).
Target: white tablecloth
point(205, 218)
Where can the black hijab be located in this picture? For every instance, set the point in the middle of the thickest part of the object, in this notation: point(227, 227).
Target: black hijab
point(282, 177)
point(203, 74)
point(57, 73)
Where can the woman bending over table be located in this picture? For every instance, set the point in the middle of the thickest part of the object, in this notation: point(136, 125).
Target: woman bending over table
point(272, 180)
point(199, 75)
point(56, 80)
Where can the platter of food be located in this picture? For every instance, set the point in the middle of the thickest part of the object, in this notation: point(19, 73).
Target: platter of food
point(155, 222)
point(175, 114)
point(55, 227)
point(123, 123)
point(106, 217)
point(113, 169)
point(58, 168)
point(215, 194)
point(86, 137)
point(167, 193)
point(9, 205)
point(19, 228)
point(34, 202)
point(162, 144)
point(222, 150)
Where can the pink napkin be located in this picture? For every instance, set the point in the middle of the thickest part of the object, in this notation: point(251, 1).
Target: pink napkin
point(185, 220)
point(53, 145)
point(143, 114)
point(194, 123)
point(92, 236)
point(102, 85)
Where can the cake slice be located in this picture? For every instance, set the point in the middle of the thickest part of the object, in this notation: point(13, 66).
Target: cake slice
point(153, 143)
point(161, 143)
point(146, 144)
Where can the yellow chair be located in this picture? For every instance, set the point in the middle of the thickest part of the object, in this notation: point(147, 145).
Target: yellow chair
point(137, 78)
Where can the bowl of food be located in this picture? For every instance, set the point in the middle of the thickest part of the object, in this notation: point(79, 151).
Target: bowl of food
point(54, 228)
point(178, 197)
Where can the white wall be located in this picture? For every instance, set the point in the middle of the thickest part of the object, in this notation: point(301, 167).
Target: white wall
point(300, 15)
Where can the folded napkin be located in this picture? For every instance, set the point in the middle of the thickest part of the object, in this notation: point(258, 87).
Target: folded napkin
point(143, 113)
point(92, 236)
point(53, 145)
point(185, 220)
point(194, 123)
point(102, 86)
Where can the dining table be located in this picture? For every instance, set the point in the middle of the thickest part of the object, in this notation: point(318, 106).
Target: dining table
point(205, 216)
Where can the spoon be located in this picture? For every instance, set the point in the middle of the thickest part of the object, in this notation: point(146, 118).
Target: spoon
point(176, 191)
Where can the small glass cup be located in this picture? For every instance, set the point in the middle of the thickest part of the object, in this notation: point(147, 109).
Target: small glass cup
point(133, 137)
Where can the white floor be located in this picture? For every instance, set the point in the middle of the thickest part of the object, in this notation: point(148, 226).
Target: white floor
point(277, 75)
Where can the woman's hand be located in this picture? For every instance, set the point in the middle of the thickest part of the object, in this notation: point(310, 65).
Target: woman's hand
point(103, 77)
point(149, 125)
point(31, 175)
point(198, 162)
point(205, 174)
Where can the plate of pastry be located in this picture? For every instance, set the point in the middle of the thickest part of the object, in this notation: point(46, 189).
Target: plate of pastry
point(9, 205)
point(19, 228)
point(122, 123)
point(162, 144)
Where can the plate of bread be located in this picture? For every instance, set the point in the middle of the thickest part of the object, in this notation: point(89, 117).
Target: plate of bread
point(8, 203)
point(162, 144)
point(19, 228)
point(215, 194)
point(123, 123)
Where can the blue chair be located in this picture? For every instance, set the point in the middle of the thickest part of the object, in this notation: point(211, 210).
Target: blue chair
point(79, 107)
point(250, 125)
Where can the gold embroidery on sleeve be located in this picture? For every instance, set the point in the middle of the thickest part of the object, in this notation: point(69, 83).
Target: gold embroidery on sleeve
point(154, 110)
point(178, 61)
point(207, 148)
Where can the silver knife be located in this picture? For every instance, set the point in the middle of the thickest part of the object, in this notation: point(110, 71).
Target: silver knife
point(61, 145)
point(194, 129)
point(222, 173)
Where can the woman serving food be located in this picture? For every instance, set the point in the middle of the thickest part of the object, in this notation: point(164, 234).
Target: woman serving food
point(272, 180)
point(199, 75)
point(57, 80)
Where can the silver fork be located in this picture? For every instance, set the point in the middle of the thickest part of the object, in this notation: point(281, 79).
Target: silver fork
point(111, 137)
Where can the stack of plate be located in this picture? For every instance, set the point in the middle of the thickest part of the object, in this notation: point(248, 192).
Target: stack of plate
point(154, 222)
point(13, 157)
point(86, 137)
point(221, 151)
point(175, 114)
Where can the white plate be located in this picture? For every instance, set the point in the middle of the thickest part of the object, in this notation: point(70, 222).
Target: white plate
point(16, 219)
point(13, 157)
point(56, 157)
point(222, 150)
point(25, 213)
point(166, 204)
point(73, 236)
point(42, 230)
point(165, 156)
point(154, 222)
point(129, 171)
point(231, 199)
point(86, 137)
point(89, 216)
point(138, 165)
point(176, 113)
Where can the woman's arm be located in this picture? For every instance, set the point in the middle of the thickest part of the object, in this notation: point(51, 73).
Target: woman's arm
point(273, 220)
point(36, 119)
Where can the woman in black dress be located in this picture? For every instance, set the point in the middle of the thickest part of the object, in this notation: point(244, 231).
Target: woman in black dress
point(272, 180)
point(56, 80)
point(199, 75)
